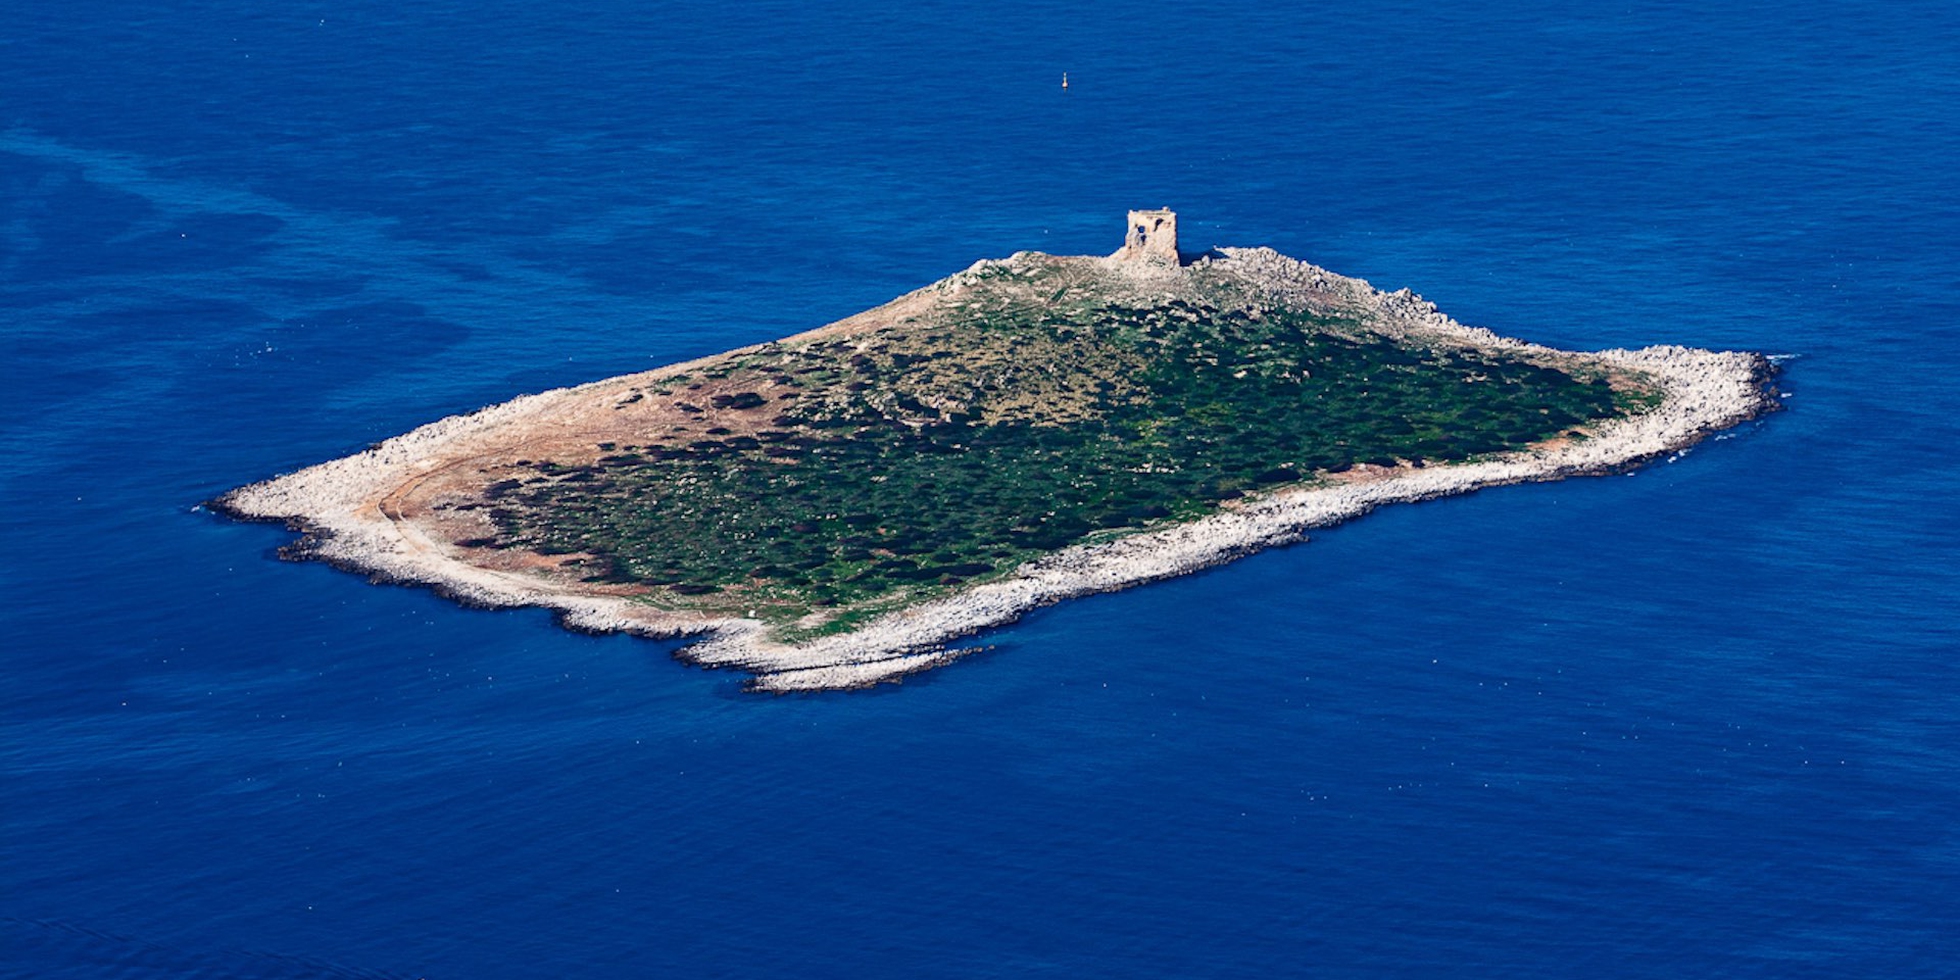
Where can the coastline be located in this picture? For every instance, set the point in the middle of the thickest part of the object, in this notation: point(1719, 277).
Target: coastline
point(342, 507)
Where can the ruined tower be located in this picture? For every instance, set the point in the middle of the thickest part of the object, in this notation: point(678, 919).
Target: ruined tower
point(1152, 237)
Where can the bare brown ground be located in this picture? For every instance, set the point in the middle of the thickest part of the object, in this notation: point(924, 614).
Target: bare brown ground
point(444, 502)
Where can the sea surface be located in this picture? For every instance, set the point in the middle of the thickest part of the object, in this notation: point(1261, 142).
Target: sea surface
point(1701, 721)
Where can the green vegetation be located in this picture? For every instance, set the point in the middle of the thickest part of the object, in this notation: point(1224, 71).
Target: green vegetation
point(861, 471)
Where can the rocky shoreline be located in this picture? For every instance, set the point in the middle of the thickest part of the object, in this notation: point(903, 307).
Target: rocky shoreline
point(341, 508)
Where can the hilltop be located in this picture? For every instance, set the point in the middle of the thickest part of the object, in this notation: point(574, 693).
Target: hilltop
point(833, 508)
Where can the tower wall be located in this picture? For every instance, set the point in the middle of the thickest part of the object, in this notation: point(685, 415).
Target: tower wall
point(1152, 237)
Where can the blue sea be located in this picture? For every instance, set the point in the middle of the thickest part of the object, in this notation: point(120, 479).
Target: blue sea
point(1700, 721)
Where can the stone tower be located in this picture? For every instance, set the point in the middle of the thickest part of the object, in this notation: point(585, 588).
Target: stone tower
point(1152, 237)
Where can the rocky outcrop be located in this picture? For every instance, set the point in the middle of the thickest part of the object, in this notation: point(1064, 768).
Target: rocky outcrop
point(342, 506)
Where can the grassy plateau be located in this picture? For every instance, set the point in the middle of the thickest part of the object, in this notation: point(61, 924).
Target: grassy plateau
point(1020, 408)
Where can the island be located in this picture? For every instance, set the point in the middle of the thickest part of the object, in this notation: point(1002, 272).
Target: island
point(845, 506)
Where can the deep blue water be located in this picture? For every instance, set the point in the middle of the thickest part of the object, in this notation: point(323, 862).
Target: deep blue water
point(1702, 721)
